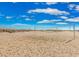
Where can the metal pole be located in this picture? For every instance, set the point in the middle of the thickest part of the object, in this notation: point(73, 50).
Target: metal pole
point(74, 31)
point(34, 25)
point(73, 34)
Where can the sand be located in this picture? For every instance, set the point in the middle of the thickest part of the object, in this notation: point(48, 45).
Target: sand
point(39, 43)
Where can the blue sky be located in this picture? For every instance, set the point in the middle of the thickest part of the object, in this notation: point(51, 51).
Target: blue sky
point(41, 15)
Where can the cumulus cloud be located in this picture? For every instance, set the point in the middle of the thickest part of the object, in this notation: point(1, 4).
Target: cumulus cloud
point(8, 17)
point(49, 11)
point(63, 17)
point(46, 3)
point(77, 8)
point(61, 23)
point(76, 19)
point(48, 21)
point(74, 7)
point(45, 21)
point(25, 17)
point(37, 3)
point(71, 6)
point(51, 3)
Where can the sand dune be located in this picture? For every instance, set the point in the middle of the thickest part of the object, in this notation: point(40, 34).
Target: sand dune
point(39, 43)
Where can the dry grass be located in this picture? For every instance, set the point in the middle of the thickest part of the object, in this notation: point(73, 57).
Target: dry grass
point(39, 43)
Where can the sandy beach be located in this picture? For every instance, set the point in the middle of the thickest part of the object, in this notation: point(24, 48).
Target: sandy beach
point(39, 43)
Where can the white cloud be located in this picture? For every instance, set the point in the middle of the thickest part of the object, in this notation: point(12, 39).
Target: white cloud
point(36, 2)
point(19, 24)
point(73, 19)
point(49, 11)
point(48, 21)
point(74, 7)
point(51, 3)
point(61, 23)
point(45, 21)
point(63, 17)
point(47, 3)
point(26, 17)
point(71, 6)
point(8, 17)
point(64, 2)
point(77, 8)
